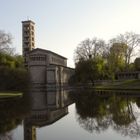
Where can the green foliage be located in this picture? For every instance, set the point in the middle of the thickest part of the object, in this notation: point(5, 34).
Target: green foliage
point(137, 64)
point(13, 75)
point(13, 79)
point(89, 70)
point(89, 105)
point(121, 112)
point(11, 61)
point(116, 54)
point(116, 58)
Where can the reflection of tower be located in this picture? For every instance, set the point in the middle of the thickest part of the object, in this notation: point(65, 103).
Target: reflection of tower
point(29, 131)
point(47, 108)
point(28, 38)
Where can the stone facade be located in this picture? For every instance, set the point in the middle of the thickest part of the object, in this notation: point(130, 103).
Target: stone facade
point(128, 75)
point(47, 69)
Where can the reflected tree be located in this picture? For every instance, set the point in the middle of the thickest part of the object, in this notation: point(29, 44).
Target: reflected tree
point(122, 113)
point(6, 136)
point(128, 121)
point(96, 113)
point(92, 112)
point(12, 112)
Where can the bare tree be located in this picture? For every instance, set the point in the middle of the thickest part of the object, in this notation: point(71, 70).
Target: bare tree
point(89, 48)
point(5, 42)
point(132, 40)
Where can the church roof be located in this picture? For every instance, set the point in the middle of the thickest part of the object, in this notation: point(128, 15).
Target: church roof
point(47, 51)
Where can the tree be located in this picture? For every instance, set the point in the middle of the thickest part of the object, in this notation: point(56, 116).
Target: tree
point(89, 49)
point(8, 60)
point(14, 79)
point(132, 40)
point(137, 64)
point(116, 57)
point(87, 71)
point(5, 42)
point(13, 75)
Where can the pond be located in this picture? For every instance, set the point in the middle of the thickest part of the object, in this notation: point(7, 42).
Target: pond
point(71, 115)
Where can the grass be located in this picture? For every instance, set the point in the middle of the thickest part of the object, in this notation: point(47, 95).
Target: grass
point(123, 84)
point(10, 94)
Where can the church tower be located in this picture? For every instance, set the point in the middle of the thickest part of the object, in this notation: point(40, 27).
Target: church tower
point(28, 38)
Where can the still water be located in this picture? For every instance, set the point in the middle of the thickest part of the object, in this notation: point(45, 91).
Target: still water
point(71, 115)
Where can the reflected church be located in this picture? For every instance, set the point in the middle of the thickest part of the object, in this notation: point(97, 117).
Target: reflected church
point(46, 111)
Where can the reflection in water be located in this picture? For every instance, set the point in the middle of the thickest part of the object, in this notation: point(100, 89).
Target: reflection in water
point(47, 108)
point(97, 112)
point(6, 136)
point(12, 112)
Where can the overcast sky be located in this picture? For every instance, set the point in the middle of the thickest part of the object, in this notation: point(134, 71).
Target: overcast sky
point(62, 24)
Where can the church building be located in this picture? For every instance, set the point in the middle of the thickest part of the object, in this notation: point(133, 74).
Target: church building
point(47, 69)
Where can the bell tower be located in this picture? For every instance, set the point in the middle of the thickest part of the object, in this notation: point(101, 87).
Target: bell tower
point(28, 38)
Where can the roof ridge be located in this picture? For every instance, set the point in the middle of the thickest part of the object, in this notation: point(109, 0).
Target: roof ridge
point(47, 51)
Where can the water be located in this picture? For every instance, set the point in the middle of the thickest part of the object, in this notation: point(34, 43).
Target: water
point(66, 115)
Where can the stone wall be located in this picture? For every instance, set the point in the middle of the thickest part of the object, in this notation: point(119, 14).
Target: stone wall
point(128, 75)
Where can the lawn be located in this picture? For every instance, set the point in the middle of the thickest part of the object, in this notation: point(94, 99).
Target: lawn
point(124, 84)
point(10, 94)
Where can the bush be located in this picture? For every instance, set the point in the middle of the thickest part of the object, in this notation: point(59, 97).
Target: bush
point(13, 79)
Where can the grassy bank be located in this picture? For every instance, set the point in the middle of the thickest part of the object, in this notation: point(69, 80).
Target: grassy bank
point(123, 84)
point(10, 94)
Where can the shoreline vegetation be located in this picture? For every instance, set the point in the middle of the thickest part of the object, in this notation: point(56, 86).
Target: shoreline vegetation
point(8, 94)
point(108, 85)
point(121, 85)
point(14, 77)
point(98, 63)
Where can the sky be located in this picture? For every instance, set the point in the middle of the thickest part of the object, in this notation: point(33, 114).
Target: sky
point(60, 25)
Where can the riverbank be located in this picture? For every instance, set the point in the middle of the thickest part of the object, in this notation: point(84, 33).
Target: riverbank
point(118, 85)
point(10, 94)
